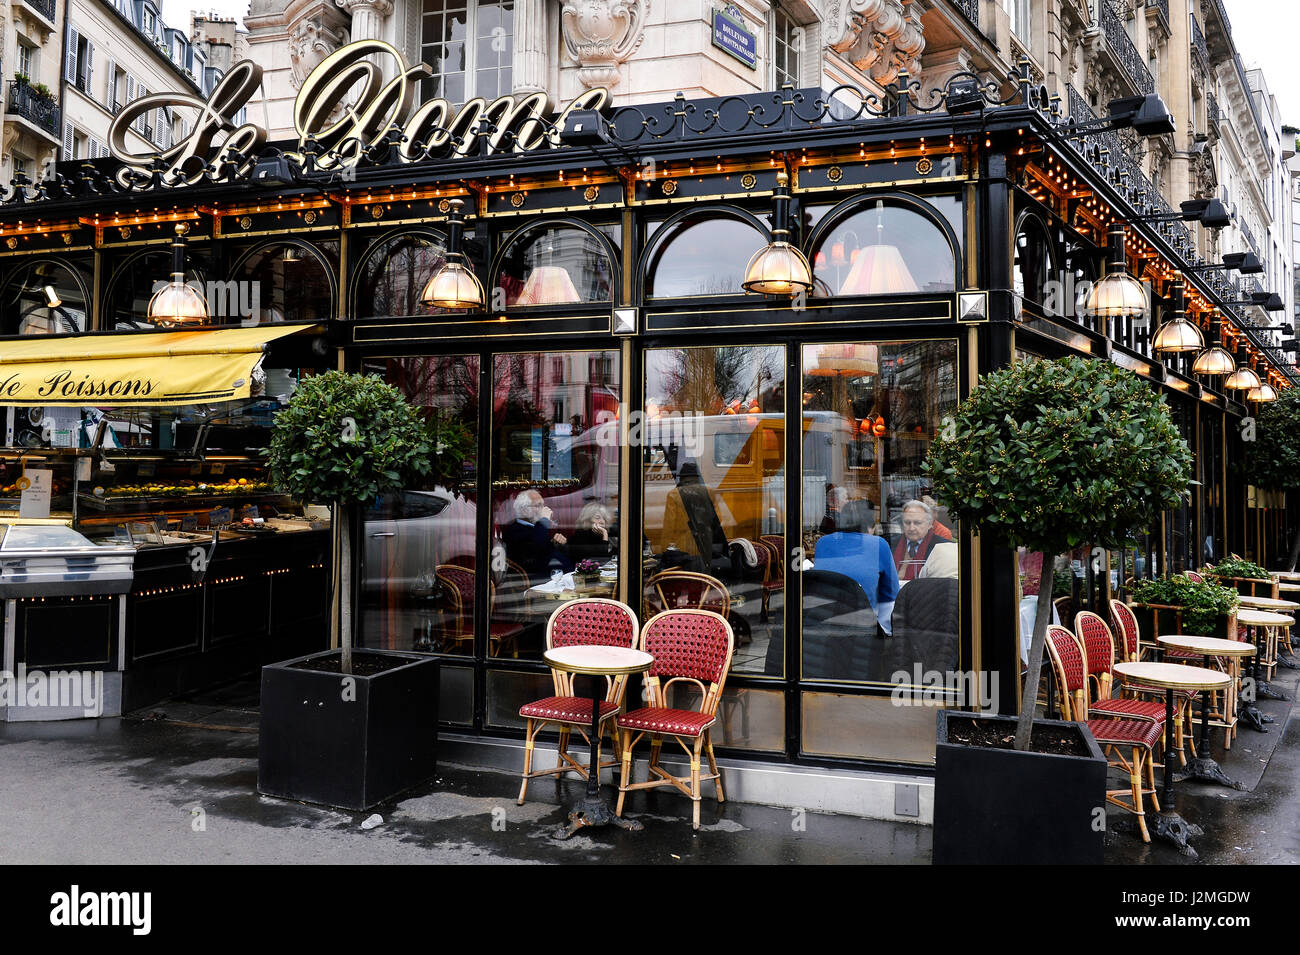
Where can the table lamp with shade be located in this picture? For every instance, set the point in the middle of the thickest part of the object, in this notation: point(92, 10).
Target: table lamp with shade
point(878, 269)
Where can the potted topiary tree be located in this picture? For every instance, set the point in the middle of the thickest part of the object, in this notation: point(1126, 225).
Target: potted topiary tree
point(339, 727)
point(1273, 458)
point(1050, 455)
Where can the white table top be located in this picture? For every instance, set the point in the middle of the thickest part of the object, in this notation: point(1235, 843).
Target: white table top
point(1267, 603)
point(598, 660)
point(1175, 676)
point(1215, 646)
point(1262, 618)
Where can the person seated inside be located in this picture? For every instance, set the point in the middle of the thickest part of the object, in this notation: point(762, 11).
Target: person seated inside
point(531, 539)
point(918, 539)
point(591, 540)
point(858, 554)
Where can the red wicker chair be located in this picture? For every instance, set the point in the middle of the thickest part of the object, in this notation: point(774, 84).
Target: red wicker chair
point(774, 578)
point(688, 646)
point(1130, 647)
point(458, 584)
point(592, 621)
point(1099, 657)
point(1137, 738)
point(686, 590)
point(1193, 576)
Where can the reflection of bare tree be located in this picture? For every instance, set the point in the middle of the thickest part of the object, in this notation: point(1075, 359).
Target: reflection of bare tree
point(705, 380)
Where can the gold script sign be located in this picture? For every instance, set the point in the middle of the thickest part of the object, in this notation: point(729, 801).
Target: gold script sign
point(346, 105)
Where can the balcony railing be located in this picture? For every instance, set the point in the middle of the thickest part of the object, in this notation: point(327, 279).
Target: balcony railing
point(1212, 112)
point(42, 111)
point(970, 9)
point(1123, 48)
point(1198, 40)
point(1162, 6)
point(44, 7)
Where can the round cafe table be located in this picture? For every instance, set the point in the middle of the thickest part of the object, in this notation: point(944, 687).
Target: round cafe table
point(1203, 766)
point(1171, 677)
point(600, 662)
point(1264, 625)
point(1267, 603)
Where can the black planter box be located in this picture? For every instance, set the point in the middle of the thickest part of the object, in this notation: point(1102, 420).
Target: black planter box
point(316, 746)
point(1001, 807)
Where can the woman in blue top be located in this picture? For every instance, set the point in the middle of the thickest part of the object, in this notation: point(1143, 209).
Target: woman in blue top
point(857, 553)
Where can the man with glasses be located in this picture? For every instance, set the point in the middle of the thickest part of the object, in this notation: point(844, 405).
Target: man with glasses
point(918, 539)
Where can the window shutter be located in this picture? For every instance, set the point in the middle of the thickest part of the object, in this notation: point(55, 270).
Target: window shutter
point(67, 141)
point(109, 92)
point(160, 126)
point(89, 67)
point(70, 56)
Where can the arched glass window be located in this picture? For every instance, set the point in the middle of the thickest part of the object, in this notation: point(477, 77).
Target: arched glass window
point(287, 282)
point(394, 273)
point(882, 247)
point(134, 281)
point(701, 254)
point(44, 297)
point(555, 265)
point(1035, 263)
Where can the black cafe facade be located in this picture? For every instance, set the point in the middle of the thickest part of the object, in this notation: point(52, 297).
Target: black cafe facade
point(618, 376)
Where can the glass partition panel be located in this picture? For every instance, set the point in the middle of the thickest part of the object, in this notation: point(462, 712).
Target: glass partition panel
point(555, 490)
point(713, 473)
point(880, 576)
point(418, 571)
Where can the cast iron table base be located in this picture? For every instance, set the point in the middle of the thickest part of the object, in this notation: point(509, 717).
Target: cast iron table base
point(1205, 768)
point(592, 811)
point(1174, 829)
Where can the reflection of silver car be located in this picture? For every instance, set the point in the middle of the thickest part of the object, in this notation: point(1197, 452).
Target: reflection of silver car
point(409, 533)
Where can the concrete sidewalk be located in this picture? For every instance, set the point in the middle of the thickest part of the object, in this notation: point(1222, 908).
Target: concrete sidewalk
point(181, 789)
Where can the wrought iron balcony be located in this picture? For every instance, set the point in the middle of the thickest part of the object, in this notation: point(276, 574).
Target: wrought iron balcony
point(44, 7)
point(1198, 41)
point(1162, 6)
point(970, 9)
point(1212, 113)
point(1125, 52)
point(42, 111)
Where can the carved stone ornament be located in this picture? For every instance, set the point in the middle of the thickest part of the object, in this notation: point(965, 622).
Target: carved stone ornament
point(310, 41)
point(879, 37)
point(601, 35)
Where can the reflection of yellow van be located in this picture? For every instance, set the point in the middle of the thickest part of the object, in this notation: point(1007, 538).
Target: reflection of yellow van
point(741, 460)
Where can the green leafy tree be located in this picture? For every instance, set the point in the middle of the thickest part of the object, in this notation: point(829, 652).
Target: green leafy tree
point(1055, 454)
point(346, 439)
point(1273, 458)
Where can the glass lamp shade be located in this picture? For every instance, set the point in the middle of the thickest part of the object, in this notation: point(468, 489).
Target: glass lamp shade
point(1116, 295)
point(878, 270)
point(177, 304)
point(1214, 361)
point(1178, 335)
point(1264, 392)
point(52, 299)
point(1242, 379)
point(453, 286)
point(548, 285)
point(777, 269)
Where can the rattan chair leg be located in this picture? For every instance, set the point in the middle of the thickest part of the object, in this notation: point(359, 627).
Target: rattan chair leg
point(1135, 778)
point(625, 776)
point(563, 750)
point(695, 782)
point(713, 766)
point(1151, 779)
point(528, 760)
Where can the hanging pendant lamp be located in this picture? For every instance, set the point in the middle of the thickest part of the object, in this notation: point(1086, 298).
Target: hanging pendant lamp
point(177, 304)
point(778, 268)
point(1244, 377)
point(1215, 360)
point(1116, 294)
point(1177, 335)
point(454, 285)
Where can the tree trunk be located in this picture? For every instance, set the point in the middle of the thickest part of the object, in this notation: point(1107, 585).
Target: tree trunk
point(1029, 699)
point(343, 582)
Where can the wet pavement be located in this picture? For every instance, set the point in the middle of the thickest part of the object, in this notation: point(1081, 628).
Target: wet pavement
point(178, 785)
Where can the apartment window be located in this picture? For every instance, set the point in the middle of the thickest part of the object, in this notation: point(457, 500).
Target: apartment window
point(1019, 12)
point(27, 61)
point(21, 164)
point(79, 62)
point(788, 43)
point(469, 44)
point(150, 22)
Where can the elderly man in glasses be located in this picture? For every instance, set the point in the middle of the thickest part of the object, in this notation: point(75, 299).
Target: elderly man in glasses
point(918, 539)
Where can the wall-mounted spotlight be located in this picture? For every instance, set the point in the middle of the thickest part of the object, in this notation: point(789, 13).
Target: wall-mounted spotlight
point(1210, 213)
point(1244, 262)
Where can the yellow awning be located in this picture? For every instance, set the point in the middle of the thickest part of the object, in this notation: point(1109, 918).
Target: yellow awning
point(135, 370)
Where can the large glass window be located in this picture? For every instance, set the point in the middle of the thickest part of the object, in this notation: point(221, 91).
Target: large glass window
point(880, 587)
point(788, 44)
point(555, 490)
point(395, 272)
point(713, 473)
point(1035, 261)
point(44, 298)
point(555, 265)
point(135, 280)
point(703, 255)
point(882, 248)
point(469, 44)
point(285, 283)
point(418, 544)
